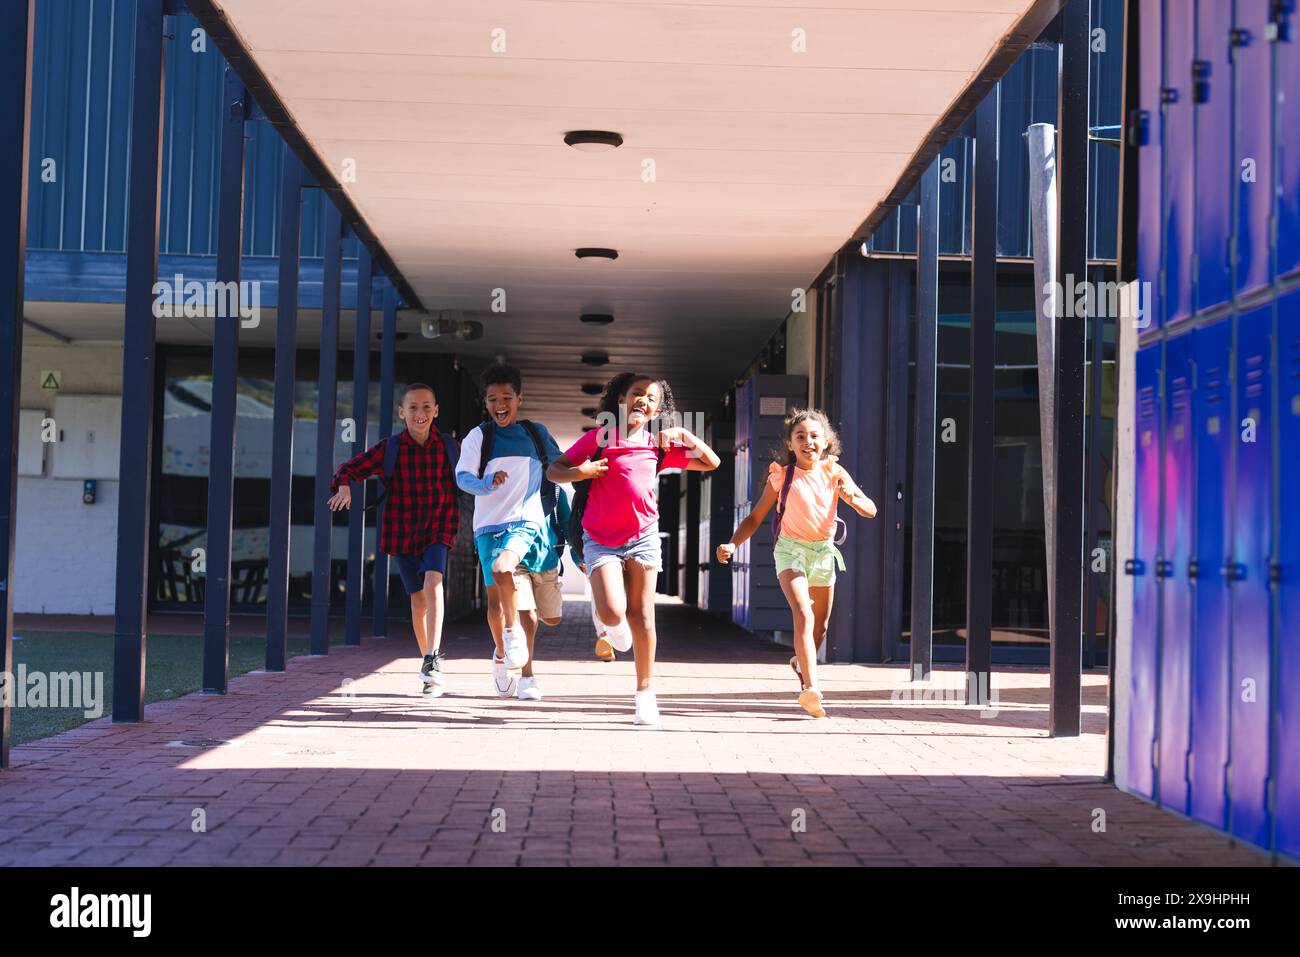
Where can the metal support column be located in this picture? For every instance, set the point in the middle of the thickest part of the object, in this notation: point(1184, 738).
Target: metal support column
point(225, 372)
point(286, 369)
point(983, 385)
point(387, 354)
point(15, 112)
point(144, 181)
point(1072, 166)
point(360, 410)
point(326, 404)
point(927, 340)
point(1096, 502)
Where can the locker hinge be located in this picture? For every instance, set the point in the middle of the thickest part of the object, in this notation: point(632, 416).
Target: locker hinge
point(1155, 754)
point(1277, 25)
point(1137, 127)
point(1270, 795)
point(1193, 569)
point(1274, 573)
point(1191, 766)
point(1200, 81)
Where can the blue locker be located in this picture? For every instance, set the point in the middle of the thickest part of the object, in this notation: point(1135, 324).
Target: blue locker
point(1212, 98)
point(1248, 761)
point(1149, 216)
point(1179, 144)
point(1146, 553)
point(1253, 145)
point(1175, 656)
point(1286, 103)
point(1286, 749)
point(1215, 437)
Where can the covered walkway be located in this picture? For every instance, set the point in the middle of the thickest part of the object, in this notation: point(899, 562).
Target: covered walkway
point(339, 761)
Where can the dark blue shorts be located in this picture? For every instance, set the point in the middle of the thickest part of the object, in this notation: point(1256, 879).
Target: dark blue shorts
point(413, 567)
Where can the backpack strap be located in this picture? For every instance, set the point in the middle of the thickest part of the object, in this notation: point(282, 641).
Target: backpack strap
point(780, 505)
point(485, 449)
point(391, 446)
point(548, 487)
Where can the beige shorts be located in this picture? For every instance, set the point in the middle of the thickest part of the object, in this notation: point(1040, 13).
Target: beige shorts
point(540, 592)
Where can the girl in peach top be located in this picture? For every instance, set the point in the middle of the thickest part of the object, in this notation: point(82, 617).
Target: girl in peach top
point(806, 490)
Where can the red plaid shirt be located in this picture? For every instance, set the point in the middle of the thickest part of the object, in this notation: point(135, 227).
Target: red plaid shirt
point(423, 505)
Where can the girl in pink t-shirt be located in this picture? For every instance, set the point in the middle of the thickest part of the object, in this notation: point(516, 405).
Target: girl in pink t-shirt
point(806, 489)
point(620, 521)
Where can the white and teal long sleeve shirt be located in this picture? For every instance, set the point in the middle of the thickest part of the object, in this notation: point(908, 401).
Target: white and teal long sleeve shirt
point(518, 500)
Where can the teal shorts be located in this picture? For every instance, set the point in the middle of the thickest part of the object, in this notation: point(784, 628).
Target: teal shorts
point(519, 539)
point(816, 560)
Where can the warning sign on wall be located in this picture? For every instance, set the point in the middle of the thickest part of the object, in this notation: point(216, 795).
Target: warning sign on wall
point(51, 379)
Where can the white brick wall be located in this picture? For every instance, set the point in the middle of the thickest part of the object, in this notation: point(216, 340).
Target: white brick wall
point(66, 551)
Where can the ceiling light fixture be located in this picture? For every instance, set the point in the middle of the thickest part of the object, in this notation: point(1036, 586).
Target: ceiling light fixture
point(592, 388)
point(595, 358)
point(593, 141)
point(596, 252)
point(596, 318)
point(591, 411)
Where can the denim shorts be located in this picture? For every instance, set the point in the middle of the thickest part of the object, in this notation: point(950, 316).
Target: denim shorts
point(413, 567)
point(645, 550)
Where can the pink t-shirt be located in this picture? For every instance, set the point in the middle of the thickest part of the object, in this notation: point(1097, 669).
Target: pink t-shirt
point(621, 505)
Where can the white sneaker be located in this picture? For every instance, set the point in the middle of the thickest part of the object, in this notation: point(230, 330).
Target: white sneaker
point(516, 645)
point(504, 681)
point(620, 636)
point(647, 709)
point(528, 690)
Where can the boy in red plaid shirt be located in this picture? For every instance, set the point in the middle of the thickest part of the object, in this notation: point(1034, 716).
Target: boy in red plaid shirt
point(420, 517)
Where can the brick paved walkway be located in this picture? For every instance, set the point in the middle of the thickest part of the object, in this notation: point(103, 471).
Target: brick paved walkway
point(341, 761)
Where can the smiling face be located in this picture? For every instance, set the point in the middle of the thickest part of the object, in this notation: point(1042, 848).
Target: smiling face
point(418, 410)
point(807, 440)
point(642, 400)
point(502, 403)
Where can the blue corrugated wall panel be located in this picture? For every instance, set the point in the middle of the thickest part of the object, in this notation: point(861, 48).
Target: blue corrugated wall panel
point(80, 98)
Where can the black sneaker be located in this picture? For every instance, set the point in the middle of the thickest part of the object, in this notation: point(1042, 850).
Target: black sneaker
point(432, 682)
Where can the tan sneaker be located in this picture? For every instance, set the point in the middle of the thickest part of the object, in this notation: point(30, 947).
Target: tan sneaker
point(604, 650)
point(810, 699)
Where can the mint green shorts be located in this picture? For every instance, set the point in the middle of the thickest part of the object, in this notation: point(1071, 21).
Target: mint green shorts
point(817, 560)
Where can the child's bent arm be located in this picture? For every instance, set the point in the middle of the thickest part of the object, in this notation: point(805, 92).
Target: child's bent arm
point(563, 470)
point(855, 497)
point(746, 529)
point(473, 484)
point(360, 467)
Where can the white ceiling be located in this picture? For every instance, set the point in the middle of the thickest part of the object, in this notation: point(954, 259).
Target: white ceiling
point(766, 159)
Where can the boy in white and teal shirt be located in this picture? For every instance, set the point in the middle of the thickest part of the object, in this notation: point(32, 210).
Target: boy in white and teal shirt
point(503, 464)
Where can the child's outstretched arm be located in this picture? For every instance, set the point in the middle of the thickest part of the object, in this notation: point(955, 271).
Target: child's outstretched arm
point(356, 469)
point(751, 523)
point(854, 496)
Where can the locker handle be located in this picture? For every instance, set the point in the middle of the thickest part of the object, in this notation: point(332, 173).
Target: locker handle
point(1239, 38)
point(1164, 568)
point(1135, 566)
point(1137, 128)
point(1234, 571)
point(1200, 81)
point(1193, 569)
point(1274, 573)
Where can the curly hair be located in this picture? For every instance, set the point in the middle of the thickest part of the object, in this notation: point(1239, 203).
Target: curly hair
point(786, 456)
point(617, 387)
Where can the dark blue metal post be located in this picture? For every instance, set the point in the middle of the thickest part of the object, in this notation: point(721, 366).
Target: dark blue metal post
point(286, 328)
point(15, 77)
point(360, 410)
point(1066, 650)
point(225, 370)
point(326, 402)
point(144, 181)
point(983, 385)
point(387, 354)
point(927, 340)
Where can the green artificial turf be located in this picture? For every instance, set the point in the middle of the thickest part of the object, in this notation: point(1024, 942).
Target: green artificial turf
point(174, 667)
